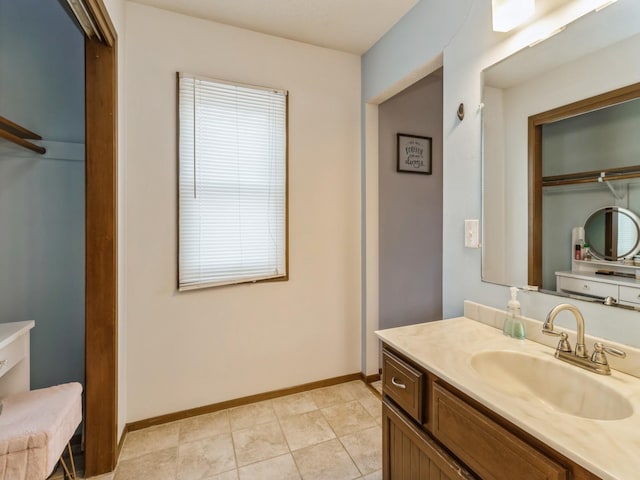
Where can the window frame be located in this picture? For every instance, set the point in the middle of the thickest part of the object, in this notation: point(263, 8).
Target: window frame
point(206, 285)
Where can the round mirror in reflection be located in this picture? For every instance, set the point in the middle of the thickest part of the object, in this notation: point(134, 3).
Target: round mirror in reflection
point(613, 233)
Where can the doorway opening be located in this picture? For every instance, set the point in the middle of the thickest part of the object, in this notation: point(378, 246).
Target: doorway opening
point(380, 161)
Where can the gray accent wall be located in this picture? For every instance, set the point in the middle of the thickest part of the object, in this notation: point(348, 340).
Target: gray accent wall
point(410, 209)
point(42, 197)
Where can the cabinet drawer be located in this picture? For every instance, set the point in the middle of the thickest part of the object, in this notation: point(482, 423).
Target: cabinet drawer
point(404, 384)
point(488, 449)
point(11, 354)
point(629, 294)
point(587, 287)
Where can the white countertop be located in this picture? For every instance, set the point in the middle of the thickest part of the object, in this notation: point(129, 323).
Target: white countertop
point(10, 331)
point(607, 448)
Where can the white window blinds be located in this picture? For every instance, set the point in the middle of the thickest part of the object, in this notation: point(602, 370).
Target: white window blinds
point(232, 183)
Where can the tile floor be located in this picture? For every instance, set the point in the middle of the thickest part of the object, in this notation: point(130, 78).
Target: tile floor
point(330, 433)
point(378, 386)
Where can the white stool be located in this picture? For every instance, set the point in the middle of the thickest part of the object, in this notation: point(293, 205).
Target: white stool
point(35, 427)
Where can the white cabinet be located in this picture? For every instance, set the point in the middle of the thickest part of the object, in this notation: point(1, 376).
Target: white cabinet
point(14, 357)
point(625, 291)
point(582, 286)
point(629, 295)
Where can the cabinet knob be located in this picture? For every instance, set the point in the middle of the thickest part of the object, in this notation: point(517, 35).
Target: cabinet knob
point(397, 383)
point(585, 286)
point(3, 363)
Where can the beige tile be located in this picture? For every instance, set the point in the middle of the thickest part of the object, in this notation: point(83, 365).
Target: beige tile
point(230, 475)
point(378, 386)
point(347, 418)
point(106, 476)
point(205, 458)
point(203, 426)
point(365, 449)
point(374, 476)
point(325, 397)
point(251, 415)
point(278, 468)
point(359, 389)
point(294, 404)
point(150, 439)
point(158, 465)
point(325, 461)
point(259, 443)
point(372, 405)
point(306, 429)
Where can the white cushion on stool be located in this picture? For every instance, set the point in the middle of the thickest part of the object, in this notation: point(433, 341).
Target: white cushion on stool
point(35, 427)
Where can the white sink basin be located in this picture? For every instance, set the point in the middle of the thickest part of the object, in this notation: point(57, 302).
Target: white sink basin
point(563, 387)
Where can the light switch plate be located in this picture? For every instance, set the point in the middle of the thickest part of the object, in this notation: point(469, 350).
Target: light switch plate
point(472, 233)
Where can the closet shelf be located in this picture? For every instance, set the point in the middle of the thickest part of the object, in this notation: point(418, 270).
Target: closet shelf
point(605, 175)
point(19, 135)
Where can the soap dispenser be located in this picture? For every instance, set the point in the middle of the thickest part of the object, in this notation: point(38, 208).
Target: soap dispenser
point(513, 325)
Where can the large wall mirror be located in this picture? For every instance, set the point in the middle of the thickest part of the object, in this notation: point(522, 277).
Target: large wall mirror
point(543, 102)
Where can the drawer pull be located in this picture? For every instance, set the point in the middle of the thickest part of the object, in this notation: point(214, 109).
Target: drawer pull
point(585, 286)
point(397, 383)
point(3, 363)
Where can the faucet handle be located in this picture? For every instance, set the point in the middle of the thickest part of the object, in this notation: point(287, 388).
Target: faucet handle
point(547, 330)
point(599, 350)
point(563, 344)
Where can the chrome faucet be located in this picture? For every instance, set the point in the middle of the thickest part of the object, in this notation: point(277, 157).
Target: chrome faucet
point(598, 362)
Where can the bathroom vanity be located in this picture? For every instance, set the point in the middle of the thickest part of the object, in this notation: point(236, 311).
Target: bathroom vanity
point(453, 407)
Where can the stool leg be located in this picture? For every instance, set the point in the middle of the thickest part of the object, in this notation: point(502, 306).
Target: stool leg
point(73, 465)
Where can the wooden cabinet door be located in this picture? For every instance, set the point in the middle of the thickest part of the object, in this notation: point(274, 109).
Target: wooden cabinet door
point(486, 447)
point(410, 454)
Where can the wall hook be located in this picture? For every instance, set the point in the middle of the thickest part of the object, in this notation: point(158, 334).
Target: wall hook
point(461, 112)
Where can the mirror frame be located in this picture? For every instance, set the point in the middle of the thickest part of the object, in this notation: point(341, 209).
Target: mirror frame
point(536, 180)
point(621, 211)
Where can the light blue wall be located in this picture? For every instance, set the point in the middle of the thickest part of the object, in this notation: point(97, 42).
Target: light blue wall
point(418, 37)
point(42, 199)
point(462, 32)
point(594, 141)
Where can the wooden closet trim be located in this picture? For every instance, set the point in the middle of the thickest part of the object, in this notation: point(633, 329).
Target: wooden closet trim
point(101, 326)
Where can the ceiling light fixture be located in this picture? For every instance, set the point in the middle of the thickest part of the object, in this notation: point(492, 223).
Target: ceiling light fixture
point(508, 14)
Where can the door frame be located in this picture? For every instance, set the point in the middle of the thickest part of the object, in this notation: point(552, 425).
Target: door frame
point(101, 239)
point(535, 175)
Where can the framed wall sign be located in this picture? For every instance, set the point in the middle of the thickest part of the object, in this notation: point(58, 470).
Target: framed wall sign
point(414, 154)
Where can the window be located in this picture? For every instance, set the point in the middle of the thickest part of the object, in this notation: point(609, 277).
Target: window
point(232, 183)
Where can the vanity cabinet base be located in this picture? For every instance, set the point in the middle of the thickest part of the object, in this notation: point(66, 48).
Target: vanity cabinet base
point(457, 438)
point(410, 454)
point(489, 449)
